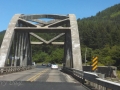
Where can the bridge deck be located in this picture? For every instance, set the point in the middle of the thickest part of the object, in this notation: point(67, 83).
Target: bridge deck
point(42, 78)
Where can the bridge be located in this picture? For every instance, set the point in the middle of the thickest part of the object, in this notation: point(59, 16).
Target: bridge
point(16, 56)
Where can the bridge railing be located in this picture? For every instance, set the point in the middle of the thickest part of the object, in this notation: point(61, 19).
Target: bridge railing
point(92, 79)
point(5, 70)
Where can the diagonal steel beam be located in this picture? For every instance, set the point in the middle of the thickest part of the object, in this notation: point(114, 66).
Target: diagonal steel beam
point(38, 37)
point(45, 41)
point(53, 21)
point(26, 22)
point(55, 38)
point(57, 22)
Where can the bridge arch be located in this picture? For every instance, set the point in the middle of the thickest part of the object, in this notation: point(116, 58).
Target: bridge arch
point(17, 45)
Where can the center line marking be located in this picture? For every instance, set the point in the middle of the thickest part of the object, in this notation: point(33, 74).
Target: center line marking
point(35, 77)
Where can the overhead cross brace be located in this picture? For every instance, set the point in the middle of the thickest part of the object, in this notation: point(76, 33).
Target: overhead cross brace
point(43, 29)
point(46, 42)
point(54, 43)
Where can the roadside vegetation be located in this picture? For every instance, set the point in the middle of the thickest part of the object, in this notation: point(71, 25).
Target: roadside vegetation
point(118, 74)
point(99, 34)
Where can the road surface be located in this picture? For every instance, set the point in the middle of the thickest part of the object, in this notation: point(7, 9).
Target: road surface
point(40, 78)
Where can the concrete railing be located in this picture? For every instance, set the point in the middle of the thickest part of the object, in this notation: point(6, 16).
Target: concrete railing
point(92, 79)
point(6, 70)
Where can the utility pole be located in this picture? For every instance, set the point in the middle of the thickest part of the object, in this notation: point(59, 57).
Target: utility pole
point(85, 55)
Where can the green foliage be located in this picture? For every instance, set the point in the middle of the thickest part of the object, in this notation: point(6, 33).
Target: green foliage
point(48, 53)
point(1, 36)
point(115, 14)
point(41, 57)
point(108, 61)
point(115, 54)
point(57, 56)
point(100, 34)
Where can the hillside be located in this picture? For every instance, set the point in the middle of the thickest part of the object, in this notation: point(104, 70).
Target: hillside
point(104, 28)
point(1, 36)
point(100, 34)
point(112, 13)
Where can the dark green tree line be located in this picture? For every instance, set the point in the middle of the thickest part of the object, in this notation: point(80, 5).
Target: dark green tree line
point(100, 34)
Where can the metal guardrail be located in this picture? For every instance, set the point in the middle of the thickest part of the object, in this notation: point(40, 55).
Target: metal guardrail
point(6, 70)
point(93, 79)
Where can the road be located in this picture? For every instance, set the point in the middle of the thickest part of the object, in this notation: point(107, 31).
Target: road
point(40, 78)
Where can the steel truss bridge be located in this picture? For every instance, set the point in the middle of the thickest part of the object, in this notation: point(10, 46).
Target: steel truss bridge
point(16, 53)
point(16, 42)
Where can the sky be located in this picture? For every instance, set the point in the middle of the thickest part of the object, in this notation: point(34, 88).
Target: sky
point(81, 8)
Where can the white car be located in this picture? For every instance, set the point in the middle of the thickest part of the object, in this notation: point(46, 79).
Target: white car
point(33, 63)
point(54, 66)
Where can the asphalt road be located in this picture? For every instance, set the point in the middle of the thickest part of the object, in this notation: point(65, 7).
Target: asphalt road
point(40, 78)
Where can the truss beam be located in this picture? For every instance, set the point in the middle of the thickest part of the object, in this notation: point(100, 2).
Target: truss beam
point(16, 45)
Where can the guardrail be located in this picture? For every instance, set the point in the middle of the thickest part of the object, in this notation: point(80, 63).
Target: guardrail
point(6, 70)
point(92, 79)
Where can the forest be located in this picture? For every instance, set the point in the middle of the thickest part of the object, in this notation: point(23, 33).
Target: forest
point(99, 35)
